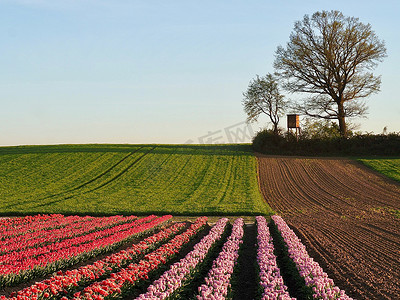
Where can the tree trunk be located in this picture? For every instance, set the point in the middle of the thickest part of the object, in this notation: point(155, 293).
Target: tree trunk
point(342, 121)
point(276, 128)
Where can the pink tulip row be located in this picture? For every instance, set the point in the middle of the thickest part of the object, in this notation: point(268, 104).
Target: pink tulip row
point(271, 280)
point(179, 272)
point(65, 282)
point(314, 276)
point(71, 227)
point(129, 276)
point(69, 255)
point(218, 278)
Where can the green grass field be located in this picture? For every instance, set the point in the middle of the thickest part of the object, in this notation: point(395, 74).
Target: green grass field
point(388, 167)
point(130, 179)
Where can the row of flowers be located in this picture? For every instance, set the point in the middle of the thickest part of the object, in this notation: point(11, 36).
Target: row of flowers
point(68, 228)
point(217, 282)
point(65, 283)
point(7, 222)
point(178, 273)
point(13, 262)
point(271, 280)
point(10, 227)
point(53, 261)
point(128, 277)
point(323, 287)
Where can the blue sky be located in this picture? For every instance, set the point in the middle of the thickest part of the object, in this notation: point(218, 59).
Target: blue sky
point(157, 71)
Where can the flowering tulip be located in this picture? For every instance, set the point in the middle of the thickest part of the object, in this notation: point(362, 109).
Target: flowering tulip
point(218, 278)
point(314, 276)
point(173, 279)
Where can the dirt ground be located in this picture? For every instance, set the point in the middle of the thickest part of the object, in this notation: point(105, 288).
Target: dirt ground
point(344, 214)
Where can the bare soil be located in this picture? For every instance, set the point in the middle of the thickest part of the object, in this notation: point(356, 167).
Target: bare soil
point(246, 283)
point(343, 212)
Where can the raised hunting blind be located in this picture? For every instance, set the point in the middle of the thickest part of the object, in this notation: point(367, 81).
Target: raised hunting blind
point(293, 121)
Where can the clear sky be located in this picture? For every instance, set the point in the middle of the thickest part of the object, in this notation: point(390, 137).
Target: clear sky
point(94, 71)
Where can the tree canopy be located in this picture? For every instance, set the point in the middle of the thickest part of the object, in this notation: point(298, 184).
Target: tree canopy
point(262, 96)
point(330, 57)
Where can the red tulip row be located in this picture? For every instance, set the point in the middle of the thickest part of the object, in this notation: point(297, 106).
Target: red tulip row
point(10, 262)
point(18, 221)
point(16, 271)
point(38, 225)
point(71, 227)
point(16, 226)
point(128, 277)
point(64, 283)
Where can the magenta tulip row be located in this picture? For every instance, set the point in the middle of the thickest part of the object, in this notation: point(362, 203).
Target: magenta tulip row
point(314, 276)
point(179, 272)
point(64, 283)
point(271, 280)
point(217, 282)
point(62, 228)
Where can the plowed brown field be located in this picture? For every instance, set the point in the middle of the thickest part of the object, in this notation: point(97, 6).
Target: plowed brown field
point(342, 212)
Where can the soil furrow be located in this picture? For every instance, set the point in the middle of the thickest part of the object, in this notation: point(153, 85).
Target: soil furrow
point(341, 210)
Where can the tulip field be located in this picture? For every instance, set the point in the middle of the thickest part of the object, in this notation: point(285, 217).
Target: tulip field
point(152, 257)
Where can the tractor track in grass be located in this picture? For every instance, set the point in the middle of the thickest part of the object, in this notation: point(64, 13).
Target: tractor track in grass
point(121, 172)
point(77, 190)
point(342, 212)
point(80, 186)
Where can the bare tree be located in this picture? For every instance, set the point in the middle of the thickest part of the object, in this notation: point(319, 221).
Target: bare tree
point(262, 96)
point(330, 57)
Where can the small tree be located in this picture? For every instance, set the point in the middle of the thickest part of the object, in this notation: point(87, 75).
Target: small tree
point(262, 96)
point(324, 129)
point(329, 56)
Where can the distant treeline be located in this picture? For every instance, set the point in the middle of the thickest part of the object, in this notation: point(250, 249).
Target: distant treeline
point(360, 144)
